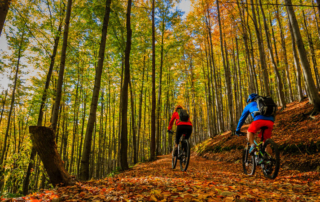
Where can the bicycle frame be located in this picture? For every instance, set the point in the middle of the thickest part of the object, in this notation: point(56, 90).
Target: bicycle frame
point(182, 138)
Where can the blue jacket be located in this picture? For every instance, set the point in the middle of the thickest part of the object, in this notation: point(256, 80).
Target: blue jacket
point(250, 109)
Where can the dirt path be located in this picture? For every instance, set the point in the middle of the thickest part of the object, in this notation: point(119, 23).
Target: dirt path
point(205, 180)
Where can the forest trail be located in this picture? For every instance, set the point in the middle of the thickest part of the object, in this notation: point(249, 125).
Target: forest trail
point(205, 180)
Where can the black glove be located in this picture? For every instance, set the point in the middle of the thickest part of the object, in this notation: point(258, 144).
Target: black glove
point(169, 131)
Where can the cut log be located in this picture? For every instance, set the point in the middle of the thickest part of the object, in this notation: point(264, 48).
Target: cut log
point(43, 141)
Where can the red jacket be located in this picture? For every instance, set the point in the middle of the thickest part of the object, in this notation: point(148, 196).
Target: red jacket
point(175, 115)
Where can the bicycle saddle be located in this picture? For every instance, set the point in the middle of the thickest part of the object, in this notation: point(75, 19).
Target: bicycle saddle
point(264, 128)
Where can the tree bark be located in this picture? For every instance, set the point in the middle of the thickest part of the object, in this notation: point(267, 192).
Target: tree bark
point(318, 4)
point(62, 66)
point(226, 72)
point(75, 124)
point(84, 170)
point(313, 56)
point(279, 82)
point(45, 145)
point(261, 51)
point(153, 110)
point(124, 121)
point(140, 105)
point(283, 45)
point(3, 104)
point(4, 7)
point(135, 157)
point(313, 93)
point(12, 100)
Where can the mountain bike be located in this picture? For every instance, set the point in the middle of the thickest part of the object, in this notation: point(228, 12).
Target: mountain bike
point(183, 153)
point(269, 162)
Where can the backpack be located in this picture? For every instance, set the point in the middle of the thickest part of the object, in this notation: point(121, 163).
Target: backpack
point(183, 115)
point(266, 106)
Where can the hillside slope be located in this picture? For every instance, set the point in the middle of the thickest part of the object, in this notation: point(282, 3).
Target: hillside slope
point(297, 135)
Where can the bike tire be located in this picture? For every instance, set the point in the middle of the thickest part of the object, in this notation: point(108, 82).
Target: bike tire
point(174, 160)
point(248, 163)
point(276, 160)
point(184, 163)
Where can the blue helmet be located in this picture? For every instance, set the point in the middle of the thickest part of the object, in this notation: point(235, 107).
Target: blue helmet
point(251, 97)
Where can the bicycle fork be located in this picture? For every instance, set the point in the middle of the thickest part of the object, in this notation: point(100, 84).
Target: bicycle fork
point(246, 155)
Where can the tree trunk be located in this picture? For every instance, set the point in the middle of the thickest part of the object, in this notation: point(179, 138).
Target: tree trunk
point(153, 110)
point(226, 72)
point(75, 124)
point(318, 4)
point(12, 100)
point(124, 128)
point(45, 145)
point(140, 104)
point(296, 64)
point(4, 7)
point(279, 81)
point(261, 51)
point(99, 161)
point(3, 104)
point(62, 66)
point(283, 44)
point(84, 170)
point(135, 157)
point(313, 93)
point(313, 56)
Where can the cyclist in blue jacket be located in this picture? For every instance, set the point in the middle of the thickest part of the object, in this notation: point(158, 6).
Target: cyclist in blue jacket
point(258, 122)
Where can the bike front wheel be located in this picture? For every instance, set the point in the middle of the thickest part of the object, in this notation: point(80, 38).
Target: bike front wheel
point(185, 156)
point(248, 162)
point(174, 159)
point(271, 159)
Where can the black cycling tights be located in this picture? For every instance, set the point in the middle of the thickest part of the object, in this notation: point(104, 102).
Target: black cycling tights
point(183, 129)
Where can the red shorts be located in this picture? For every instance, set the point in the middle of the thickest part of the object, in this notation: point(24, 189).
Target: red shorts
point(256, 126)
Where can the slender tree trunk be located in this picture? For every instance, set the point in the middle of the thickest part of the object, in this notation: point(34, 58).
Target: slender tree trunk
point(3, 104)
point(313, 56)
point(153, 110)
point(240, 80)
point(75, 125)
point(124, 128)
point(135, 157)
point(318, 4)
point(296, 64)
point(283, 45)
point(84, 171)
point(4, 7)
point(82, 130)
point(140, 104)
point(99, 161)
point(279, 81)
point(261, 51)
point(313, 93)
point(12, 100)
point(226, 71)
point(62, 66)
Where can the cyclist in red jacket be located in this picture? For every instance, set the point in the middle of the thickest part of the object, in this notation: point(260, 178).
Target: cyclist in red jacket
point(182, 127)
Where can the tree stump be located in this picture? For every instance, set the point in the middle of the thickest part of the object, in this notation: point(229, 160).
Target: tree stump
point(44, 142)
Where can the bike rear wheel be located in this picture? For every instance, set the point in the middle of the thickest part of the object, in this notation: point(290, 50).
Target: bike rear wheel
point(248, 162)
point(185, 156)
point(271, 160)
